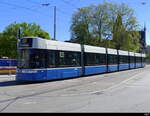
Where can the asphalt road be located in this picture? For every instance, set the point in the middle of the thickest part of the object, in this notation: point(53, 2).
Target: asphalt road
point(125, 91)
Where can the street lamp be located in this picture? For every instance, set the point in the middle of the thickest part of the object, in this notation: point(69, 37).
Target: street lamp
point(45, 4)
point(143, 3)
point(48, 4)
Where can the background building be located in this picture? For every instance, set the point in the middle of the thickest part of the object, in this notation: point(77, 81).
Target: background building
point(143, 40)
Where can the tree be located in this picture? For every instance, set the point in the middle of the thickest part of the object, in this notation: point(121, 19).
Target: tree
point(80, 26)
point(100, 21)
point(133, 41)
point(8, 39)
point(119, 33)
point(27, 29)
point(87, 25)
point(95, 25)
point(123, 39)
point(147, 54)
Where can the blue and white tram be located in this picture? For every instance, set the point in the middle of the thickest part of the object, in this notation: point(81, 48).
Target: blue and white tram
point(94, 60)
point(112, 60)
point(138, 58)
point(132, 60)
point(42, 60)
point(143, 60)
point(123, 60)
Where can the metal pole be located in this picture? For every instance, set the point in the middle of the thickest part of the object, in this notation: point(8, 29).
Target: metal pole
point(9, 61)
point(54, 22)
point(107, 61)
point(48, 4)
point(18, 37)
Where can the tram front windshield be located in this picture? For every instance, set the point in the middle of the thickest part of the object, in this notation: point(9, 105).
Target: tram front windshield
point(31, 59)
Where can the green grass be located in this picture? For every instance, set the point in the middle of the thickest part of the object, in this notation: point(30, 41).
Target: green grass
point(147, 63)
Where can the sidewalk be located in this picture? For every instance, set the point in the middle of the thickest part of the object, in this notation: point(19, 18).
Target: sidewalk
point(7, 76)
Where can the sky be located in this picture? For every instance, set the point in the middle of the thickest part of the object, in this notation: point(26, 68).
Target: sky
point(32, 11)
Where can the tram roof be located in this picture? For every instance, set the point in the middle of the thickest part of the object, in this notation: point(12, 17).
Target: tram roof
point(40, 43)
point(138, 54)
point(93, 49)
point(55, 45)
point(112, 51)
point(121, 52)
point(131, 54)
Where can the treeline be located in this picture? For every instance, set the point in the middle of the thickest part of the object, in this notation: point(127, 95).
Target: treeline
point(9, 37)
point(106, 25)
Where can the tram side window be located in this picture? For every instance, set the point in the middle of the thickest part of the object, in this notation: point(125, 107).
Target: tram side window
point(113, 59)
point(123, 59)
point(143, 60)
point(138, 60)
point(102, 59)
point(69, 59)
point(51, 59)
point(95, 59)
point(132, 59)
point(37, 59)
